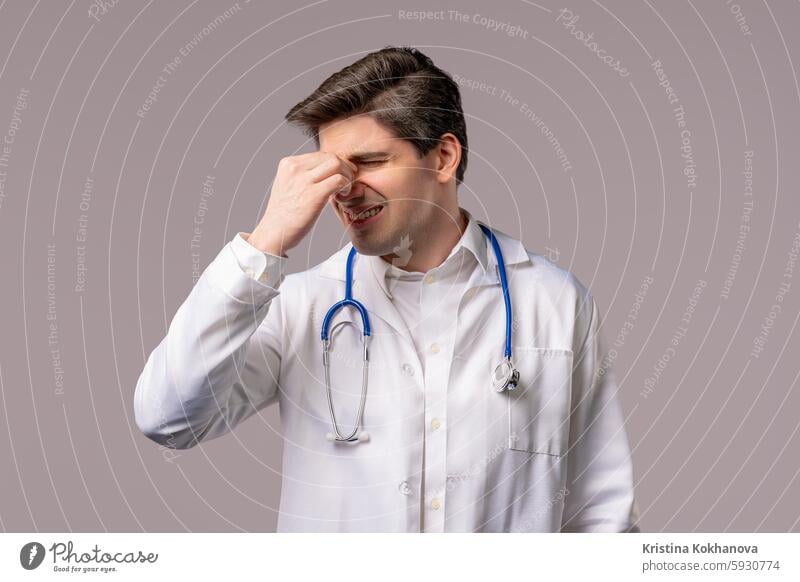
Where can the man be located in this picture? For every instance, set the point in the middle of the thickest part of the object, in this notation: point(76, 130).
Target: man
point(446, 451)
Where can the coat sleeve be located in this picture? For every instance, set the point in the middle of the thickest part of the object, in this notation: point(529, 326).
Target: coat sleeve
point(600, 492)
point(219, 362)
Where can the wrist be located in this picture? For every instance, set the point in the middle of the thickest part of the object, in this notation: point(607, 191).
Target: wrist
point(265, 244)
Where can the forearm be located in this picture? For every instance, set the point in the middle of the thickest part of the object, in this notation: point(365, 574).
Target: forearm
point(188, 378)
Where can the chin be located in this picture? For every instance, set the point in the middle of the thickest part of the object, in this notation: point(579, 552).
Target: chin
point(370, 248)
point(362, 249)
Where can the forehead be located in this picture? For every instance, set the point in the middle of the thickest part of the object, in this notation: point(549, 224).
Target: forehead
point(355, 135)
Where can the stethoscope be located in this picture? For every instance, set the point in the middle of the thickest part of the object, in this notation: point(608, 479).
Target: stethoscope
point(505, 376)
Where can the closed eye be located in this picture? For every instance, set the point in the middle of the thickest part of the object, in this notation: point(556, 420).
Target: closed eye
point(371, 163)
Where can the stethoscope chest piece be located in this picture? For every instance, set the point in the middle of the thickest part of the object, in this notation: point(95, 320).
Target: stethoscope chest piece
point(505, 376)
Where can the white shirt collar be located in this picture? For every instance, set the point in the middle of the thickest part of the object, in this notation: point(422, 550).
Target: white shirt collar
point(514, 252)
point(472, 240)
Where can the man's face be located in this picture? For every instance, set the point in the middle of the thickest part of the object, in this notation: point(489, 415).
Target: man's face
point(390, 177)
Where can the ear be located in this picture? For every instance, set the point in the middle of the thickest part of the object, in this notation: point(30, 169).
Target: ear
point(448, 156)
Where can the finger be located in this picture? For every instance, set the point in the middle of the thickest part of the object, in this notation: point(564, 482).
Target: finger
point(331, 185)
point(329, 166)
point(351, 164)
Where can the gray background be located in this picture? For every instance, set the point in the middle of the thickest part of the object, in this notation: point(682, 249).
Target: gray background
point(714, 438)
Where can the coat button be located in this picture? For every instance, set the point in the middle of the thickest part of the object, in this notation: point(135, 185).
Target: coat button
point(404, 488)
point(435, 504)
point(434, 348)
point(408, 369)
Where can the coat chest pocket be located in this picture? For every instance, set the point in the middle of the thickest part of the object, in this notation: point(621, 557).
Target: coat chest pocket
point(539, 407)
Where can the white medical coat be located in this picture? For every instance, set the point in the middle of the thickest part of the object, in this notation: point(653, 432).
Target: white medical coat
point(552, 455)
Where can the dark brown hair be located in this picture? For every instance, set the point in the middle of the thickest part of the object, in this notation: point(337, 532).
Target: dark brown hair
point(399, 87)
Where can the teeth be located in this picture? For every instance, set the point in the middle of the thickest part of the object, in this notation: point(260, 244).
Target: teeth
point(366, 214)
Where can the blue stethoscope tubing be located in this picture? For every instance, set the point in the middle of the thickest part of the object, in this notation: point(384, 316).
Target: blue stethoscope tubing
point(356, 435)
point(503, 285)
point(506, 377)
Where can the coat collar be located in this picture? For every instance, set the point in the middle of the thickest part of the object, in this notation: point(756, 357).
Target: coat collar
point(369, 285)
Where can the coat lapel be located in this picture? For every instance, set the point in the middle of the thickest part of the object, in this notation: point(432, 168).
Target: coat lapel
point(368, 291)
point(513, 253)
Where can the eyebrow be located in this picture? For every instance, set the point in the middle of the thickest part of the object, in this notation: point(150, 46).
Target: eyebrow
point(363, 156)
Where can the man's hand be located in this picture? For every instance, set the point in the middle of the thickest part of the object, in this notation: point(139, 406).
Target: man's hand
point(302, 187)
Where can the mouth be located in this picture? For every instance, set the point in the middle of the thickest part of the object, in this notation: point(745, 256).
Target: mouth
point(363, 217)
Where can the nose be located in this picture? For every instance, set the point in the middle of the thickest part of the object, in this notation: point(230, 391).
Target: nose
point(357, 189)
